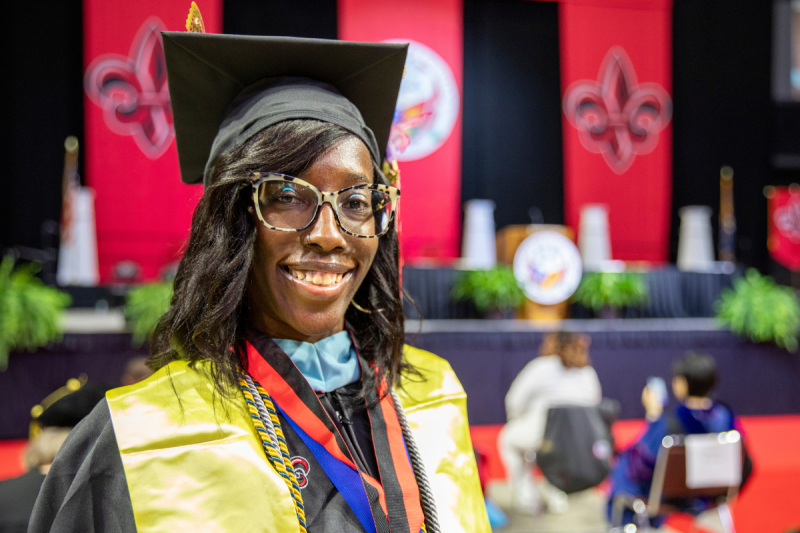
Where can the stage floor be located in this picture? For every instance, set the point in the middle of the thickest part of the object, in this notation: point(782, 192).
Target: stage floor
point(754, 379)
point(770, 501)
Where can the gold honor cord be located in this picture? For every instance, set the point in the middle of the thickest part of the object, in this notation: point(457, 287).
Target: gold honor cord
point(279, 457)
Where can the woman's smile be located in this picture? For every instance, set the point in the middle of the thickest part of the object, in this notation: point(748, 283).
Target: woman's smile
point(319, 281)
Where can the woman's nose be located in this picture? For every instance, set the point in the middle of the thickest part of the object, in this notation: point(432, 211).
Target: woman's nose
point(324, 232)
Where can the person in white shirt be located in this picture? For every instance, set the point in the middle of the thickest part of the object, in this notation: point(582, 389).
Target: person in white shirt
point(561, 375)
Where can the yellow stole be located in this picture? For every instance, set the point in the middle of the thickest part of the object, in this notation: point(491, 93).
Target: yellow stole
point(194, 462)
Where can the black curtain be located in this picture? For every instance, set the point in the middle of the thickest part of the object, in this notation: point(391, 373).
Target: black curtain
point(723, 113)
point(42, 47)
point(512, 109)
point(300, 18)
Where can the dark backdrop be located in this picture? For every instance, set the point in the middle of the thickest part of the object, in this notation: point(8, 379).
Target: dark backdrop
point(512, 109)
point(512, 114)
point(42, 87)
point(723, 113)
point(297, 18)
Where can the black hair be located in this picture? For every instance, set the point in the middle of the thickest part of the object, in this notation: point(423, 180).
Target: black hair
point(700, 372)
point(208, 317)
point(567, 345)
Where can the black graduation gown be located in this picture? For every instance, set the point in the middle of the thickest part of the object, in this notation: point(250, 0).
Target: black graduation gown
point(86, 490)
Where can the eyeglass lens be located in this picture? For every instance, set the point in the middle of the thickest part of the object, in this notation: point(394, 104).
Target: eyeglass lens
point(289, 205)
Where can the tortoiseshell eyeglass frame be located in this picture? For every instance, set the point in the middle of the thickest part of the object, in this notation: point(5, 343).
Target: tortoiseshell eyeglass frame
point(322, 197)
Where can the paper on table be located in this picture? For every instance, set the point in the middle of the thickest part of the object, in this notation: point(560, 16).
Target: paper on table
point(712, 461)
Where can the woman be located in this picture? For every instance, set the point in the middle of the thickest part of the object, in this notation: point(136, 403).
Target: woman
point(283, 385)
point(561, 375)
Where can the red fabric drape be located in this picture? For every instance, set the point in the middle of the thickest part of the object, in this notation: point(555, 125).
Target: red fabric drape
point(143, 211)
point(428, 116)
point(783, 240)
point(616, 83)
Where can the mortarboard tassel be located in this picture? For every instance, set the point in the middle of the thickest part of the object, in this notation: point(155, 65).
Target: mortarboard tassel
point(194, 22)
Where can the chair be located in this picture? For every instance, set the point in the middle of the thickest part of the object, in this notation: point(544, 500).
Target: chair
point(577, 445)
point(672, 469)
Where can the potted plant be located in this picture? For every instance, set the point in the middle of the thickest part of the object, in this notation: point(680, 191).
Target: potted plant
point(144, 306)
point(759, 309)
point(606, 293)
point(495, 292)
point(31, 313)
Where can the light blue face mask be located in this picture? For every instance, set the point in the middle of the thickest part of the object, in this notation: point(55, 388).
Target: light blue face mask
point(327, 364)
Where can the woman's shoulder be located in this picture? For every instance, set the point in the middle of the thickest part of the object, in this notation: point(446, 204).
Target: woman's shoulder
point(433, 380)
point(424, 360)
point(172, 404)
point(164, 386)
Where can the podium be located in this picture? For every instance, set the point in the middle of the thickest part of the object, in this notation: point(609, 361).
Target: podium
point(508, 240)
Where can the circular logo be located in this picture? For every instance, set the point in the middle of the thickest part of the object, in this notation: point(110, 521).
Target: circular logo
point(427, 106)
point(301, 469)
point(547, 266)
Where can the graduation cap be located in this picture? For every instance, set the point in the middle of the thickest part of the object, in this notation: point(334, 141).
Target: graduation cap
point(226, 88)
point(67, 406)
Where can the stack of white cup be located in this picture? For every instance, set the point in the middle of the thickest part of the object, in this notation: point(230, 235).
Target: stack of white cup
point(695, 242)
point(594, 241)
point(478, 247)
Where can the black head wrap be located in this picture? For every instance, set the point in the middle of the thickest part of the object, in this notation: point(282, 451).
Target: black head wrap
point(274, 100)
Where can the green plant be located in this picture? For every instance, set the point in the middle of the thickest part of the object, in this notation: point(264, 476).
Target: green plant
point(492, 289)
point(30, 312)
point(144, 305)
point(610, 290)
point(760, 310)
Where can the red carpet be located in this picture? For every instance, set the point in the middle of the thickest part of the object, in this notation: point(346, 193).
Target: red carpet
point(770, 503)
point(11, 458)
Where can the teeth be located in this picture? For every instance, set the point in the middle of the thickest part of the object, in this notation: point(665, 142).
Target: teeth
point(317, 278)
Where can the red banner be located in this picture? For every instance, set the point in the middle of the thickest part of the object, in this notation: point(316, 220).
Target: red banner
point(616, 77)
point(143, 211)
point(783, 240)
point(426, 138)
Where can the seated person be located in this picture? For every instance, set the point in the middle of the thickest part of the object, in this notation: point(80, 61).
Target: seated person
point(17, 495)
point(136, 370)
point(52, 421)
point(694, 378)
point(561, 375)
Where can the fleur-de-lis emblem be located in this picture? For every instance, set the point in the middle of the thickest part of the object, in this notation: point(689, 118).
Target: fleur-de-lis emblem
point(787, 219)
point(615, 115)
point(133, 91)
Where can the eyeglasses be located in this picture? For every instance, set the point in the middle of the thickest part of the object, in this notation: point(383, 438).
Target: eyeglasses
point(285, 203)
